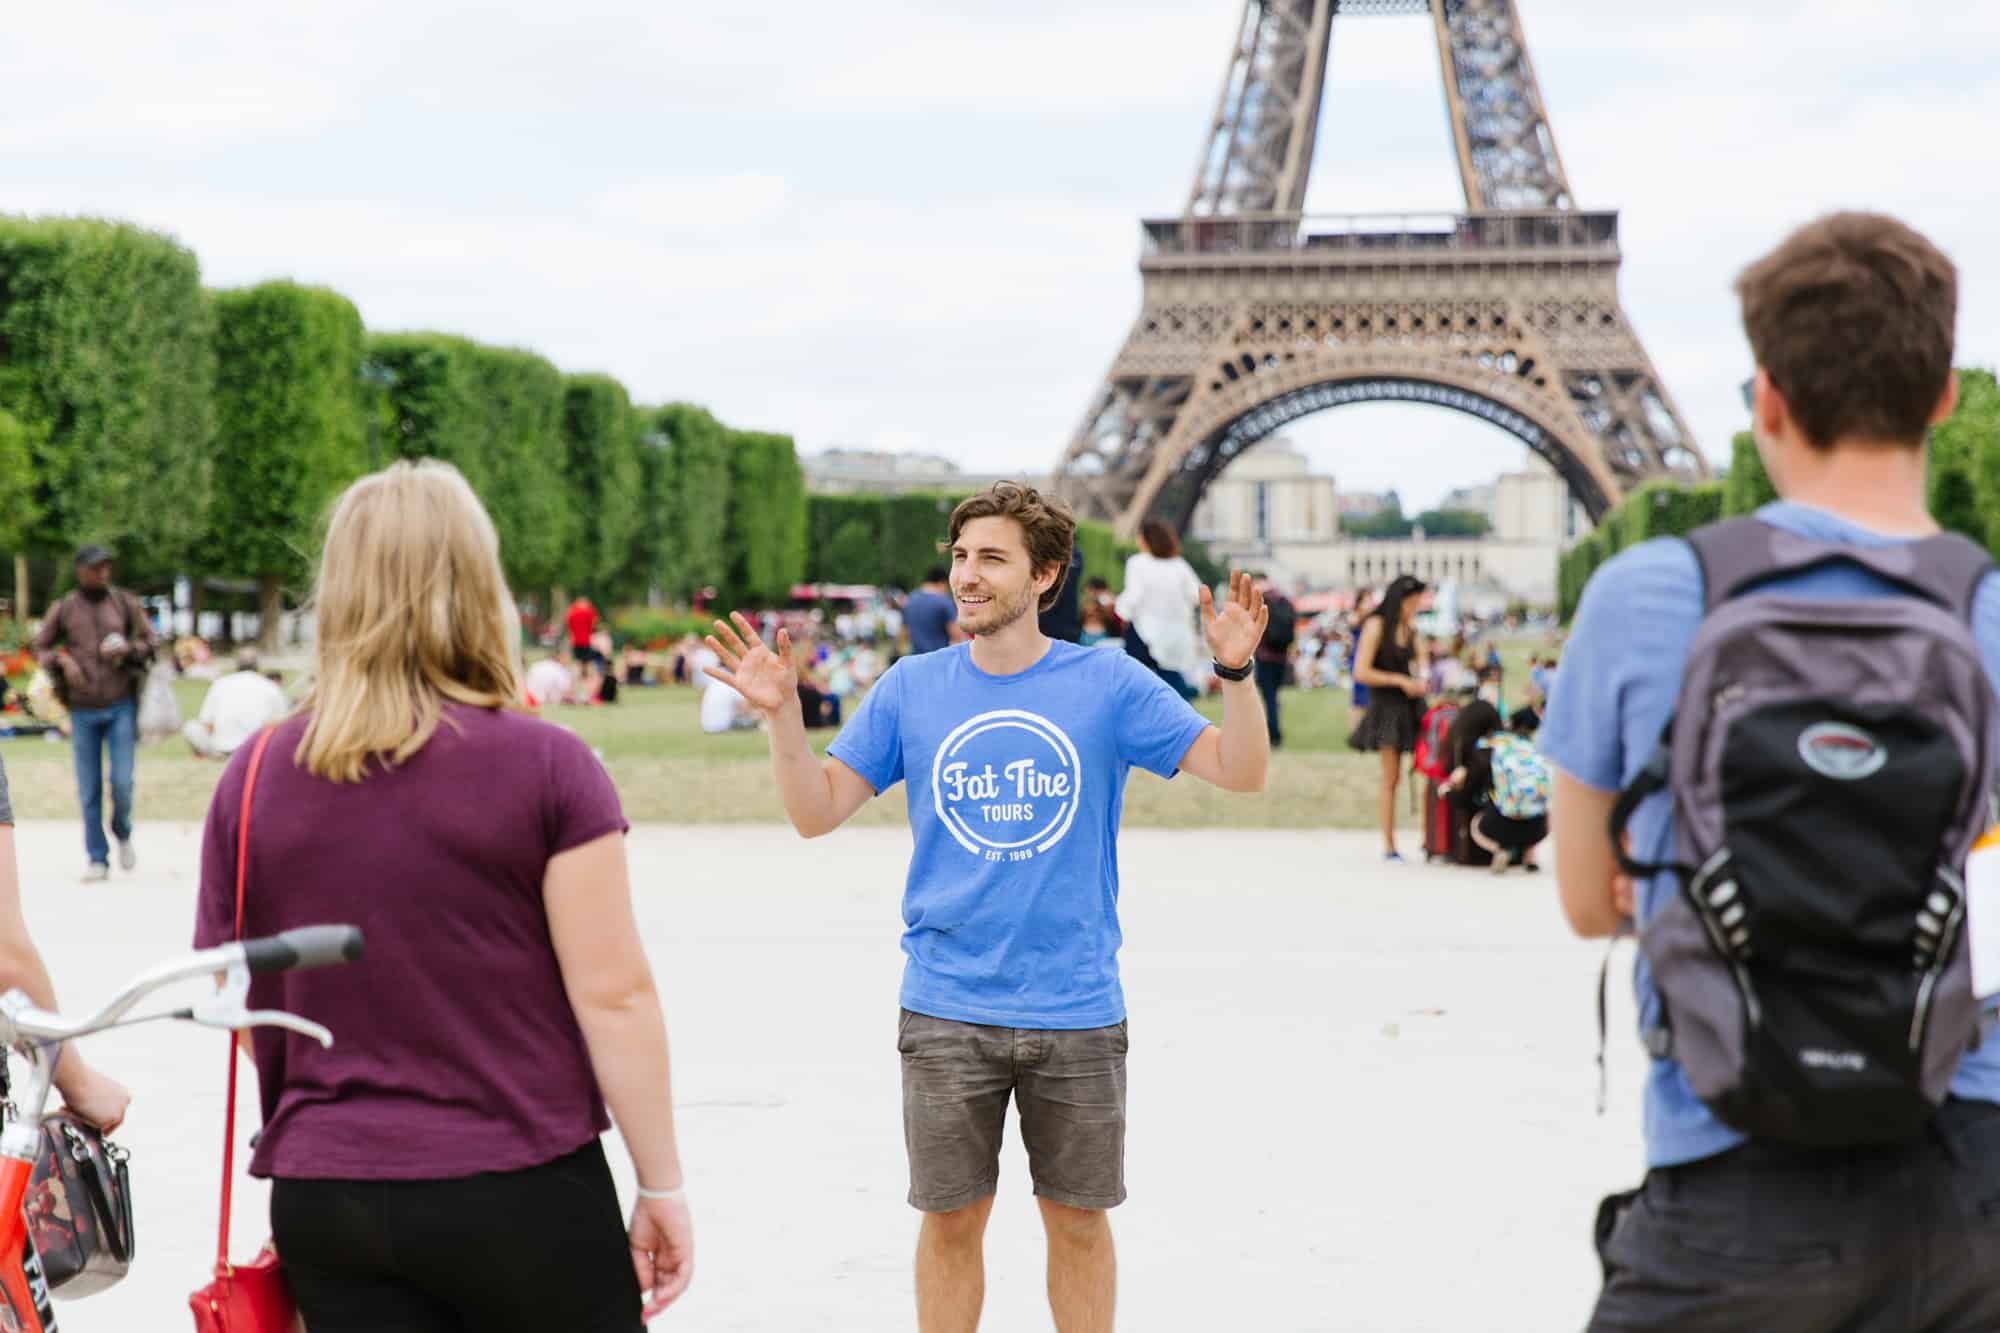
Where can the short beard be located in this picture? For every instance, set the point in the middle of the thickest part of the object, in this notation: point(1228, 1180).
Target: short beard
point(1011, 612)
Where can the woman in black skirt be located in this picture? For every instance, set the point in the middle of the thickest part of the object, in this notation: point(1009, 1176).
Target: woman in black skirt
point(1390, 663)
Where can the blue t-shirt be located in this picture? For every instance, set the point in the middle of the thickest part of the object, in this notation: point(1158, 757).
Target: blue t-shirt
point(1016, 786)
point(929, 616)
point(1609, 702)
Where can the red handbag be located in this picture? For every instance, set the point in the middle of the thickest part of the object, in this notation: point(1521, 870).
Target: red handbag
point(252, 1297)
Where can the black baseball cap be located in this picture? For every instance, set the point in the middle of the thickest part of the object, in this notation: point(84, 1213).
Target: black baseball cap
point(91, 554)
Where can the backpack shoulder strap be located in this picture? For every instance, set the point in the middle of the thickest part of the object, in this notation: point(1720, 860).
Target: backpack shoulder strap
point(1737, 554)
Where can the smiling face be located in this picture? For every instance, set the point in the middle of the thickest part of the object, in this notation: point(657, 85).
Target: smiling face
point(991, 579)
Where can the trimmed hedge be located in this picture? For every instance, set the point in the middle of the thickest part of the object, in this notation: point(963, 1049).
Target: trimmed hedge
point(765, 537)
point(289, 424)
point(1965, 457)
point(600, 438)
point(694, 488)
point(107, 365)
point(892, 540)
point(1656, 509)
point(17, 485)
point(1748, 487)
point(517, 406)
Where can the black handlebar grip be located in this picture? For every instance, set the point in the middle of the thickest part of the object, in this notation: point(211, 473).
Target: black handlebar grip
point(308, 946)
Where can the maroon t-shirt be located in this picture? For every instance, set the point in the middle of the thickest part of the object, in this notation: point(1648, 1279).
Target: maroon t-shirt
point(455, 1049)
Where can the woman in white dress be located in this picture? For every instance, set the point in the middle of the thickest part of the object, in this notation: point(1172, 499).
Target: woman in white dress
point(1158, 604)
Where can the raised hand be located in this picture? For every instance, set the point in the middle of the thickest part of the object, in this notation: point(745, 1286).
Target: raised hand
point(1235, 631)
point(767, 680)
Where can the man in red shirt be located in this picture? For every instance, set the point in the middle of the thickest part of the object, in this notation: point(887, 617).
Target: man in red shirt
point(582, 620)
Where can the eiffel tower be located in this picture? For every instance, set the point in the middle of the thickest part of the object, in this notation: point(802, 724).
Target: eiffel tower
point(1256, 314)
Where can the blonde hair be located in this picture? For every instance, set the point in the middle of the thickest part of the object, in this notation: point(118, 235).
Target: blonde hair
point(413, 611)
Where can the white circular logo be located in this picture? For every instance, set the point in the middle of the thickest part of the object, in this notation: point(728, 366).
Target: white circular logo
point(1839, 751)
point(1006, 784)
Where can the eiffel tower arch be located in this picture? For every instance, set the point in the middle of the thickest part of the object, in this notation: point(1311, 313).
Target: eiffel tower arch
point(1255, 314)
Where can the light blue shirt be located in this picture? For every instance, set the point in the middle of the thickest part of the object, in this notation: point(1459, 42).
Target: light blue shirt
point(1016, 784)
point(1617, 687)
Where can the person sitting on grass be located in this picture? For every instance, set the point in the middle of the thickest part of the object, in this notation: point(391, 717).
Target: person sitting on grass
point(237, 707)
point(550, 681)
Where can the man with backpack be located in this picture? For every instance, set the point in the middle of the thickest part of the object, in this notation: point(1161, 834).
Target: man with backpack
point(1790, 721)
point(1274, 653)
point(95, 644)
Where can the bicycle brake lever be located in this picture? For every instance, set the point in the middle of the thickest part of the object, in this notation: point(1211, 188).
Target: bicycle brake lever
point(278, 1018)
point(224, 1009)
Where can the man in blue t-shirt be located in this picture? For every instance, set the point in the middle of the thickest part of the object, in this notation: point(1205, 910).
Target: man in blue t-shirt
point(1015, 748)
point(1850, 321)
point(930, 615)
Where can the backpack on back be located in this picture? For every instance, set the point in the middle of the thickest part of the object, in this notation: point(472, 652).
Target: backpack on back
point(1830, 763)
point(1520, 777)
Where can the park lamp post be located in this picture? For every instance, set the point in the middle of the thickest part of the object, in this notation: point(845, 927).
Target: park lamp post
point(378, 378)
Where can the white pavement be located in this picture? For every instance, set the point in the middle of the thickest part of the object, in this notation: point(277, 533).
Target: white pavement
point(1361, 1095)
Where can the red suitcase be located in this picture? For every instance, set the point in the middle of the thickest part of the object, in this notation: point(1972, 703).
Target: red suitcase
point(1448, 832)
point(1439, 825)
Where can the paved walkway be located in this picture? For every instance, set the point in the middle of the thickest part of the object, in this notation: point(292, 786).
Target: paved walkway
point(1361, 1094)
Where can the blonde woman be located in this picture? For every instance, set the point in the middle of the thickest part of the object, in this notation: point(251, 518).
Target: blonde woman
point(440, 1167)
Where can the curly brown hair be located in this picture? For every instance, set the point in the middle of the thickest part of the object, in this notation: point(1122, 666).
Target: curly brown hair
point(1047, 526)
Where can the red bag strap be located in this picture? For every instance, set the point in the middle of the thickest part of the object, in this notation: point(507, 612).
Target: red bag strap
point(242, 875)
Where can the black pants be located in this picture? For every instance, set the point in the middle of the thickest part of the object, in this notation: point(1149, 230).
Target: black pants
point(1270, 675)
point(1904, 1238)
point(520, 1250)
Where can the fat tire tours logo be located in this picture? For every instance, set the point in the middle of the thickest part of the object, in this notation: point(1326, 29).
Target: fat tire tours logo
point(1032, 788)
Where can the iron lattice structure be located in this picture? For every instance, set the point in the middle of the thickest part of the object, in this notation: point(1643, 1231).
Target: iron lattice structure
point(1256, 314)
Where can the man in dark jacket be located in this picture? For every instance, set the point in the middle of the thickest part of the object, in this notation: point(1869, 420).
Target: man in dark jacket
point(95, 644)
point(1274, 654)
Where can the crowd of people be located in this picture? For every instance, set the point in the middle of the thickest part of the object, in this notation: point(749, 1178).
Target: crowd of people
point(1769, 751)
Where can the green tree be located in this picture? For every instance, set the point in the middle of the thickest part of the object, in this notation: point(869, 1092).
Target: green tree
point(644, 569)
point(1964, 480)
point(853, 554)
point(600, 438)
point(1453, 523)
point(516, 399)
point(107, 363)
point(289, 430)
point(434, 401)
point(765, 537)
point(1748, 486)
point(1388, 522)
point(694, 555)
point(17, 502)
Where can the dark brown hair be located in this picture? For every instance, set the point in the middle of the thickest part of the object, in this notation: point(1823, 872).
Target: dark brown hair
point(1047, 528)
point(1159, 539)
point(1852, 320)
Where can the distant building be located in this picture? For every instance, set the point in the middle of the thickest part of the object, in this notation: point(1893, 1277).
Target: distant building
point(1363, 504)
point(1471, 499)
point(1271, 510)
point(863, 471)
point(1269, 495)
point(1536, 505)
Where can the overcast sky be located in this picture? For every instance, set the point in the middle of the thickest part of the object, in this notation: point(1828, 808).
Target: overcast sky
point(912, 224)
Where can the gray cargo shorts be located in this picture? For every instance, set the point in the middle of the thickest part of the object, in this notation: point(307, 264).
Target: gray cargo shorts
point(1069, 1086)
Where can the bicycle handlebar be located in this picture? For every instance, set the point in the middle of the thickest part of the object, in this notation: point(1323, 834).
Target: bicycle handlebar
point(308, 946)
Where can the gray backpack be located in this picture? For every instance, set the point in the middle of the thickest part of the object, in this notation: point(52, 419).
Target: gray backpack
point(1830, 763)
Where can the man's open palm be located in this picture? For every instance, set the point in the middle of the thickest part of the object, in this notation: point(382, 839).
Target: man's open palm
point(1235, 631)
point(767, 680)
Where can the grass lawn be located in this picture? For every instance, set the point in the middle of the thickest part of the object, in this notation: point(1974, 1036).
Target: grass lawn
point(667, 771)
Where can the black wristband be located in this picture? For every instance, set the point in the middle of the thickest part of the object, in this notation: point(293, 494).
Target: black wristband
point(1234, 673)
